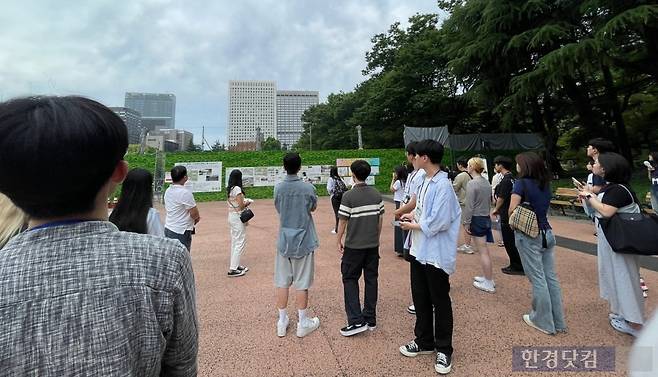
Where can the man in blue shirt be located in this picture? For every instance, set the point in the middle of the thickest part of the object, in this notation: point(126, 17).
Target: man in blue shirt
point(294, 264)
point(437, 217)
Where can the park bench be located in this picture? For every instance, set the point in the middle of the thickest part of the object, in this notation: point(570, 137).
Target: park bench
point(566, 198)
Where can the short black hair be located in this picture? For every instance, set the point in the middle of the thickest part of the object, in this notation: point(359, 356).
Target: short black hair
point(602, 145)
point(503, 161)
point(292, 162)
point(616, 168)
point(432, 149)
point(178, 172)
point(360, 169)
point(462, 162)
point(411, 147)
point(51, 139)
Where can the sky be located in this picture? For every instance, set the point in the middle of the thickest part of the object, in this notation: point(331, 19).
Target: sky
point(102, 49)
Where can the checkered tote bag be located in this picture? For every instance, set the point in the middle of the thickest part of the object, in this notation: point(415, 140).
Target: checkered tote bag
point(524, 218)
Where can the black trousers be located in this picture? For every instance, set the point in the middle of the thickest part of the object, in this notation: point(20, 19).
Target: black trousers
point(510, 246)
point(430, 289)
point(399, 236)
point(335, 203)
point(353, 262)
point(185, 238)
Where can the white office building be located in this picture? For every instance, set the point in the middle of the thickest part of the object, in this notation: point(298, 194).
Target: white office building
point(252, 105)
point(290, 106)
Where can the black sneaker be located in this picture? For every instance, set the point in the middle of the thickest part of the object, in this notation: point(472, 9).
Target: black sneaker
point(235, 273)
point(411, 309)
point(512, 271)
point(350, 330)
point(411, 349)
point(371, 325)
point(443, 363)
point(243, 268)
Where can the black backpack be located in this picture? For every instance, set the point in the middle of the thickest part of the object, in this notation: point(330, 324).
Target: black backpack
point(339, 188)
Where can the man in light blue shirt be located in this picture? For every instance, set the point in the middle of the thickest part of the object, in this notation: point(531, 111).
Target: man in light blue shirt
point(294, 264)
point(437, 217)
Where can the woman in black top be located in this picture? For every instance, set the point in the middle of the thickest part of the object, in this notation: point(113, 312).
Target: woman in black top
point(619, 274)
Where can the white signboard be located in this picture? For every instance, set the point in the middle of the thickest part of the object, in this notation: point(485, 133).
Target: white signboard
point(203, 176)
point(263, 176)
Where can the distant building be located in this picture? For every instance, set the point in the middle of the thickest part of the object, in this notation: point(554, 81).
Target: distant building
point(182, 138)
point(252, 104)
point(158, 110)
point(133, 121)
point(290, 106)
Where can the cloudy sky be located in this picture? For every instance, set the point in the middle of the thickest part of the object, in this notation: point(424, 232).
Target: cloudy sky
point(102, 49)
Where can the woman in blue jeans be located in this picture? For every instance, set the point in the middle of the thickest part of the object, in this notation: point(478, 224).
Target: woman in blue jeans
point(537, 256)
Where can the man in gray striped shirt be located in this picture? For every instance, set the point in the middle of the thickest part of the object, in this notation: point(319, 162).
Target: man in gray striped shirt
point(360, 211)
point(77, 296)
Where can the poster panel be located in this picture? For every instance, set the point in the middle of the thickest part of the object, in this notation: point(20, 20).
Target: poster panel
point(202, 176)
point(247, 176)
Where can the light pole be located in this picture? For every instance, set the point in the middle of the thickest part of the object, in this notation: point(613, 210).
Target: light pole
point(358, 131)
point(310, 136)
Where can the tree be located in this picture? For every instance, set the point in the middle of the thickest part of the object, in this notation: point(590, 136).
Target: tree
point(218, 147)
point(271, 144)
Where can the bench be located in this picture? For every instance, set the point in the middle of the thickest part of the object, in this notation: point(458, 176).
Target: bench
point(566, 197)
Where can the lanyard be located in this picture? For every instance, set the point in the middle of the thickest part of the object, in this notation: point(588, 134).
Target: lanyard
point(422, 195)
point(58, 223)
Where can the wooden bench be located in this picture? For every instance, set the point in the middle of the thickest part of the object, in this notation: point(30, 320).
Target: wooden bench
point(566, 197)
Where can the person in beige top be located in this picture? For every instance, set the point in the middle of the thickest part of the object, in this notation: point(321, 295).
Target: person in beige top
point(12, 220)
point(459, 184)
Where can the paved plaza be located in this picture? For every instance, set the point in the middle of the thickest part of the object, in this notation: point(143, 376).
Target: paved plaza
point(237, 316)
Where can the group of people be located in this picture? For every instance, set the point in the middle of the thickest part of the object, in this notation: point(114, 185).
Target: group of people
point(70, 272)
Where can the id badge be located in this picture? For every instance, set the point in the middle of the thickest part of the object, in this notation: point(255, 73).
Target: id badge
point(406, 199)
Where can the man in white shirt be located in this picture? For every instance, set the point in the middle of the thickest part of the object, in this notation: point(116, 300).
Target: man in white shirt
point(182, 212)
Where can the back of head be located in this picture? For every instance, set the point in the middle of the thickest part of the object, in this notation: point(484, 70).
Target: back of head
point(12, 220)
point(477, 164)
point(178, 173)
point(616, 168)
point(462, 163)
point(432, 149)
point(602, 145)
point(503, 161)
point(360, 169)
point(292, 162)
point(333, 172)
point(533, 167)
point(401, 173)
point(234, 179)
point(411, 148)
point(58, 152)
point(135, 201)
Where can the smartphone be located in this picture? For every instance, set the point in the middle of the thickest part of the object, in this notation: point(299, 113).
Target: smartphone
point(577, 183)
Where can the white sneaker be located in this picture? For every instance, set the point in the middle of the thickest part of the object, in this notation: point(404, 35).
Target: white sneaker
point(481, 279)
point(466, 249)
point(307, 326)
point(487, 286)
point(282, 327)
point(333, 231)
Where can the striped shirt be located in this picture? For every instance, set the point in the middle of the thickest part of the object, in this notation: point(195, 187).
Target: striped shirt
point(362, 207)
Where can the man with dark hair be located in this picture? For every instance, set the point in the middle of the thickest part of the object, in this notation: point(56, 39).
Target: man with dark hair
point(502, 197)
point(294, 262)
point(78, 296)
point(361, 212)
point(595, 147)
point(459, 185)
point(437, 217)
point(182, 212)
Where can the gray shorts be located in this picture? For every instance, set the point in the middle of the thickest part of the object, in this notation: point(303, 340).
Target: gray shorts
point(294, 271)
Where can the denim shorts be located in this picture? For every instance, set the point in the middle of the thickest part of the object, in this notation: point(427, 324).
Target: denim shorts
point(481, 227)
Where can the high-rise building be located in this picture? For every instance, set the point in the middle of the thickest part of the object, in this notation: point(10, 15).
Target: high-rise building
point(290, 106)
point(182, 138)
point(252, 104)
point(158, 110)
point(133, 121)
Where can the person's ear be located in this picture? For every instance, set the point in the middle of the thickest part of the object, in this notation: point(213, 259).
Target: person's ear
point(120, 172)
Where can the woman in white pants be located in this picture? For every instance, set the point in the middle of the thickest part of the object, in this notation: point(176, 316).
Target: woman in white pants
point(236, 204)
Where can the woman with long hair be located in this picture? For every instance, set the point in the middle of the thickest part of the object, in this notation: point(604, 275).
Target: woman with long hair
point(618, 273)
point(537, 253)
point(134, 211)
point(12, 220)
point(335, 187)
point(477, 221)
point(236, 204)
point(398, 183)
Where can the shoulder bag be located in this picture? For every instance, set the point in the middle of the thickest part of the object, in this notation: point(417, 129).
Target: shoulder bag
point(245, 215)
point(631, 233)
point(524, 218)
